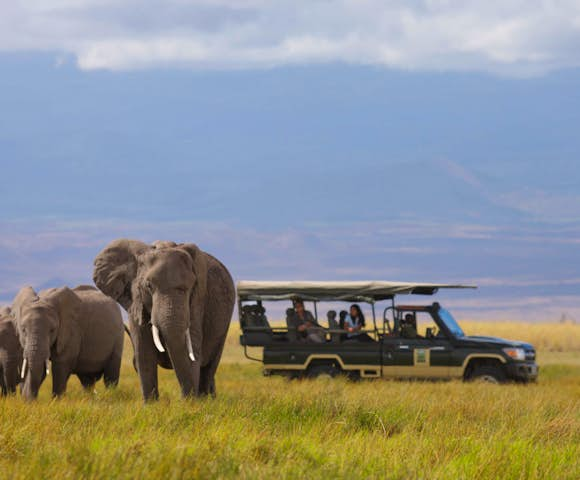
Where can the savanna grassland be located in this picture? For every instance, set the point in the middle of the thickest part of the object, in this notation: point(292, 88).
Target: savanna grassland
point(262, 427)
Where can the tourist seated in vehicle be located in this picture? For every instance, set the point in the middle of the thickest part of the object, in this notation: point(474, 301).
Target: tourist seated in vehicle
point(354, 322)
point(301, 322)
point(409, 326)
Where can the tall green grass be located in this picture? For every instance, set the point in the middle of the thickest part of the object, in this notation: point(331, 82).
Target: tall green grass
point(264, 427)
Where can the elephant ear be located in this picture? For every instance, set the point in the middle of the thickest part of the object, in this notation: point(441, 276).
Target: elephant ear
point(116, 268)
point(200, 270)
point(23, 297)
point(67, 304)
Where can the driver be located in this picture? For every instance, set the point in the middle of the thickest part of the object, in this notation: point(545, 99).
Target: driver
point(409, 326)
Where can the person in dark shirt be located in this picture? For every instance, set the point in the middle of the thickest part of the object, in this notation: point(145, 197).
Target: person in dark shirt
point(409, 326)
point(305, 324)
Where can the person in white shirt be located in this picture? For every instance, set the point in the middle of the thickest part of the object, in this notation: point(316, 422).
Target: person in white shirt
point(354, 322)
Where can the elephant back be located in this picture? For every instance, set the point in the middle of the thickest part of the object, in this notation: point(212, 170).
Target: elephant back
point(84, 288)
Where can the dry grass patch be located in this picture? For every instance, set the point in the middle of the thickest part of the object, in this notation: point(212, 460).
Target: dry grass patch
point(264, 427)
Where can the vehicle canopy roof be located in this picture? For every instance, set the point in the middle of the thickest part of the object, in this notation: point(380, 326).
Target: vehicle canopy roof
point(358, 291)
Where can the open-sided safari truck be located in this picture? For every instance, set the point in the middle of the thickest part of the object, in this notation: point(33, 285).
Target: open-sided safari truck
point(409, 341)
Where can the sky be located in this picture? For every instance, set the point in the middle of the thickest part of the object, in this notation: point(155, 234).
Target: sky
point(431, 141)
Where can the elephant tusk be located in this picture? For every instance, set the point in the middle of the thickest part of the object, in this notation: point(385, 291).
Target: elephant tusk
point(189, 346)
point(23, 370)
point(47, 366)
point(156, 339)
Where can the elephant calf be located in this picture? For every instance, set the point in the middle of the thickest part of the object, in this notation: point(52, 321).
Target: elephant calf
point(10, 353)
point(79, 330)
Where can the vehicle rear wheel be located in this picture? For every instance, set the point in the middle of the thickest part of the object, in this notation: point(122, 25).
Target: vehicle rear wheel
point(487, 374)
point(322, 371)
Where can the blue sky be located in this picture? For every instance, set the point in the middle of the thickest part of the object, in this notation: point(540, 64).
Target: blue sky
point(436, 142)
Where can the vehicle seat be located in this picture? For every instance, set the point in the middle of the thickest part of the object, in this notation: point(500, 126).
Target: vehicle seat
point(333, 325)
point(254, 323)
point(292, 332)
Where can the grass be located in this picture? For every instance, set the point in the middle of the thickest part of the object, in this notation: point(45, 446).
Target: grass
point(268, 427)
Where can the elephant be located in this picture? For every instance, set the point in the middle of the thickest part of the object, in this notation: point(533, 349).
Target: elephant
point(10, 353)
point(79, 330)
point(179, 300)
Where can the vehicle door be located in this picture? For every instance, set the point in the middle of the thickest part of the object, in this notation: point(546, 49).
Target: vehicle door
point(389, 344)
point(427, 355)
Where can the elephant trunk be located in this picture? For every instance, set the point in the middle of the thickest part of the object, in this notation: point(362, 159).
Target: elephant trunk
point(170, 330)
point(34, 368)
point(33, 373)
point(183, 366)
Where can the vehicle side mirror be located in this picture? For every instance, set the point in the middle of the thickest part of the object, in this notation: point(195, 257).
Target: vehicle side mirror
point(429, 333)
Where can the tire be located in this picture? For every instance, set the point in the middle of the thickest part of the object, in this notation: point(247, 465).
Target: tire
point(321, 371)
point(488, 374)
point(353, 376)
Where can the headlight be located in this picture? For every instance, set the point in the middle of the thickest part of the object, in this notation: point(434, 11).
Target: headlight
point(515, 353)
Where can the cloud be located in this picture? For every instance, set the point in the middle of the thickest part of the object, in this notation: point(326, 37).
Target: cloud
point(510, 37)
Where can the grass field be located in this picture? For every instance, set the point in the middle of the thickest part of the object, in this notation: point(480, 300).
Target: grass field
point(268, 427)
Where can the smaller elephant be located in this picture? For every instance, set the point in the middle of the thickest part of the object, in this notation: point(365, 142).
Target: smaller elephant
point(79, 330)
point(10, 353)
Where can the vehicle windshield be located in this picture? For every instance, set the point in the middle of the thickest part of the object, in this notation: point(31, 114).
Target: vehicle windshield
point(450, 323)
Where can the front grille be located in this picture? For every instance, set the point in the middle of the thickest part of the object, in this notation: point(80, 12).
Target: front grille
point(530, 354)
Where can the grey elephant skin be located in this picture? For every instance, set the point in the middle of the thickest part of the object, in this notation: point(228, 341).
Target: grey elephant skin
point(80, 330)
point(180, 302)
point(10, 353)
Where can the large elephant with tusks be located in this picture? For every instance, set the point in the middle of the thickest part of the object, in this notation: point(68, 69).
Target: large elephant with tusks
point(180, 302)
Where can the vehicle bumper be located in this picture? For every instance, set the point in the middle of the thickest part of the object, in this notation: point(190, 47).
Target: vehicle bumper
point(523, 372)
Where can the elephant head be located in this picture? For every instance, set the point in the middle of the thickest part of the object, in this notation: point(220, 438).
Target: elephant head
point(44, 325)
point(163, 288)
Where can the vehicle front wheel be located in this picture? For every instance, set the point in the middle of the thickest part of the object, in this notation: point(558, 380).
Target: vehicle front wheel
point(487, 374)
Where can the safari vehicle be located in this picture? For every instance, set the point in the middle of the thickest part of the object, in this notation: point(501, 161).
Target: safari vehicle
point(438, 348)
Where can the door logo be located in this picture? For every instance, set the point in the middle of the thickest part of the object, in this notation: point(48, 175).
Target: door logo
point(420, 356)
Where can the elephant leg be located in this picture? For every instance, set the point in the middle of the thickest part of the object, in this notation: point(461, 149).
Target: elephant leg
point(11, 377)
point(60, 374)
point(3, 388)
point(112, 370)
point(207, 373)
point(146, 359)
